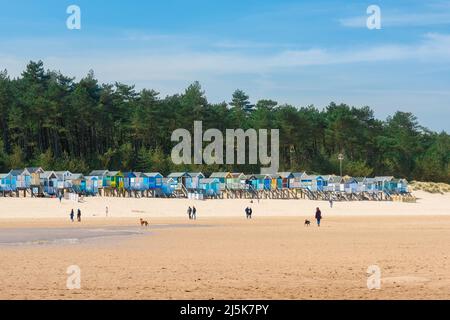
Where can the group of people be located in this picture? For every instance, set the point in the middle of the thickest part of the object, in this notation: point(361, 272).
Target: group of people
point(72, 215)
point(192, 213)
point(248, 212)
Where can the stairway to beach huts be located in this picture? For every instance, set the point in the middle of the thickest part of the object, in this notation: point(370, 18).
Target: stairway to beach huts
point(387, 195)
point(180, 191)
point(252, 192)
point(309, 194)
point(159, 193)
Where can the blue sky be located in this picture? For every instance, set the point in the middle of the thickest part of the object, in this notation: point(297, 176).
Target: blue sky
point(297, 52)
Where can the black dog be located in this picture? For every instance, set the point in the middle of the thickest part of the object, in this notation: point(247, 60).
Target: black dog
point(307, 223)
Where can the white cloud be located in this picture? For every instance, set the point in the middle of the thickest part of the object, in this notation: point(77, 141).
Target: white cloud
point(147, 65)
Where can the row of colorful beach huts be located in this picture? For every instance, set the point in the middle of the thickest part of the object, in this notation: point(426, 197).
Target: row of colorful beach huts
point(283, 185)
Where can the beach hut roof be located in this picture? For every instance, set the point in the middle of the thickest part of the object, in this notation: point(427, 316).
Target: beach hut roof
point(369, 180)
point(4, 175)
point(139, 174)
point(75, 176)
point(196, 174)
point(237, 175)
point(262, 176)
point(299, 174)
point(178, 174)
point(167, 180)
point(153, 174)
point(384, 178)
point(32, 170)
point(309, 177)
point(91, 177)
point(113, 173)
point(63, 172)
point(220, 175)
point(129, 174)
point(349, 179)
point(209, 180)
point(285, 175)
point(334, 179)
point(360, 179)
point(48, 175)
point(98, 173)
point(18, 172)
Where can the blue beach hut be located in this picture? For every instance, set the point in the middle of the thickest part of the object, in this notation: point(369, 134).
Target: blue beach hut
point(91, 185)
point(62, 179)
point(140, 181)
point(49, 182)
point(21, 178)
point(129, 180)
point(194, 182)
point(182, 178)
point(169, 185)
point(286, 178)
point(7, 183)
point(223, 178)
point(296, 181)
point(209, 186)
point(102, 176)
point(155, 180)
point(251, 181)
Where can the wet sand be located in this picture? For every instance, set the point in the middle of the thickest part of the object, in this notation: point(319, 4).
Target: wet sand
point(75, 234)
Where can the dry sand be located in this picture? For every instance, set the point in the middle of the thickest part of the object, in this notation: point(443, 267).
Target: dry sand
point(222, 255)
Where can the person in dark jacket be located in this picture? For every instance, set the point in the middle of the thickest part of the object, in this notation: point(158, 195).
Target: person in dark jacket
point(72, 214)
point(194, 213)
point(318, 216)
point(79, 215)
point(189, 212)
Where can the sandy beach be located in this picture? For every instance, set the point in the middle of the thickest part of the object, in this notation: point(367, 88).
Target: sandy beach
point(222, 255)
point(95, 207)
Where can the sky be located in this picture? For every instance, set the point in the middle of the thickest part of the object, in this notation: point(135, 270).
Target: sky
point(297, 52)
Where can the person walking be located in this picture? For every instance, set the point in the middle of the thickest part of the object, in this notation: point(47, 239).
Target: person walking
point(79, 215)
point(72, 214)
point(189, 212)
point(331, 203)
point(106, 210)
point(318, 216)
point(194, 213)
point(60, 197)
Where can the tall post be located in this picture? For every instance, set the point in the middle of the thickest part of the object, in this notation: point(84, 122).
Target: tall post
point(340, 157)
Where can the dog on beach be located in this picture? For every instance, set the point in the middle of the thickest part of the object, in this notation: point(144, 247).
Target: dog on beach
point(144, 223)
point(307, 223)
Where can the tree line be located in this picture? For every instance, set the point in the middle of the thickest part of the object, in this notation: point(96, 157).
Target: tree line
point(50, 120)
